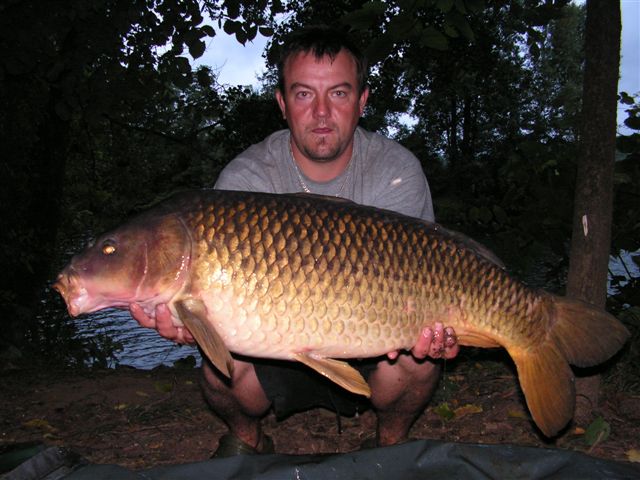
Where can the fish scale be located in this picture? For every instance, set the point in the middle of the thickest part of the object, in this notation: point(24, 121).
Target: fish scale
point(316, 279)
point(335, 247)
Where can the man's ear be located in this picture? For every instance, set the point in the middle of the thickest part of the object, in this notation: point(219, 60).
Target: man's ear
point(362, 102)
point(281, 103)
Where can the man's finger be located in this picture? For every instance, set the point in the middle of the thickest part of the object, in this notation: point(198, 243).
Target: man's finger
point(141, 317)
point(451, 347)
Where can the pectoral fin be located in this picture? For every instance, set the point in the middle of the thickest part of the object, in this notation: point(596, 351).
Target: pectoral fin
point(193, 314)
point(337, 371)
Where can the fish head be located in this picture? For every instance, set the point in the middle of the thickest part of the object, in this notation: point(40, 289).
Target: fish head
point(144, 261)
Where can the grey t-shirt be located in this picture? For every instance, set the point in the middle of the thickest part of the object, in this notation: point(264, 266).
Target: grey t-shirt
point(382, 173)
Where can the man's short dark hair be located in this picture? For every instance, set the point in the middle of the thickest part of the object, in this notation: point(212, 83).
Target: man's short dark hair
point(321, 41)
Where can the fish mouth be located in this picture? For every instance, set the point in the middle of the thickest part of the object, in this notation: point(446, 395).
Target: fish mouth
point(68, 285)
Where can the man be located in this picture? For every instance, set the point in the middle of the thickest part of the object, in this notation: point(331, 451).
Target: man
point(322, 93)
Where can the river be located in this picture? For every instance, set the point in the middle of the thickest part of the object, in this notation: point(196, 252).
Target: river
point(141, 347)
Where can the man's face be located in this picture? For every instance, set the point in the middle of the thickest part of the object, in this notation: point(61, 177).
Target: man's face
point(322, 104)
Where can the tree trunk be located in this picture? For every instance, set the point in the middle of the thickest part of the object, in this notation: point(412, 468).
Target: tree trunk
point(592, 216)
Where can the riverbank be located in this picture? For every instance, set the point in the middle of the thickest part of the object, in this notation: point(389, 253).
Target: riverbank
point(143, 418)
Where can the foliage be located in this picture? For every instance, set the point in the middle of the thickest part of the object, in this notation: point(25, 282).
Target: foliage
point(72, 77)
point(626, 227)
point(103, 115)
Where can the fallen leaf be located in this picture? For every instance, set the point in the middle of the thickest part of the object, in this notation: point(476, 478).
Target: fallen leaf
point(120, 406)
point(467, 409)
point(140, 393)
point(597, 432)
point(633, 455)
point(517, 414)
point(164, 387)
point(444, 411)
point(39, 423)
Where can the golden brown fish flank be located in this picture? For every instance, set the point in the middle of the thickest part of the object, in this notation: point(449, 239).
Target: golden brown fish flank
point(388, 271)
point(311, 279)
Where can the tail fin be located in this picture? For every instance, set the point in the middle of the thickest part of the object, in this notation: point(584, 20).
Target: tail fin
point(579, 334)
point(586, 334)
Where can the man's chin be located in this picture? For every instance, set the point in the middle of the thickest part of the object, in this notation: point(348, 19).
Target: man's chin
point(322, 155)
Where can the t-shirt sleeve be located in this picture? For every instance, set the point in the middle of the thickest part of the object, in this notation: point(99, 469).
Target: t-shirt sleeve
point(407, 192)
point(398, 182)
point(254, 170)
point(241, 174)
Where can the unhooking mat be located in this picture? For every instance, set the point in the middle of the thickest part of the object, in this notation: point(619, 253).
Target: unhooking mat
point(421, 459)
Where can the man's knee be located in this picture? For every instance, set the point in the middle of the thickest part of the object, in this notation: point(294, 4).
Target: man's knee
point(406, 379)
point(243, 389)
point(407, 369)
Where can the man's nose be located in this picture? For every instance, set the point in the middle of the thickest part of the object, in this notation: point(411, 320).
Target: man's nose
point(322, 108)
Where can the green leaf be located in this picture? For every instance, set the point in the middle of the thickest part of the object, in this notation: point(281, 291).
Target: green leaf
point(365, 17)
point(444, 5)
point(461, 24)
point(188, 362)
point(432, 38)
point(266, 31)
point(208, 30)
point(450, 31)
point(163, 387)
point(626, 98)
point(633, 122)
point(628, 143)
point(231, 27)
point(444, 411)
point(233, 8)
point(597, 432)
point(251, 32)
point(474, 6)
point(500, 215)
point(196, 48)
point(204, 78)
point(631, 316)
point(241, 36)
point(183, 65)
point(379, 48)
point(401, 25)
point(460, 6)
point(62, 110)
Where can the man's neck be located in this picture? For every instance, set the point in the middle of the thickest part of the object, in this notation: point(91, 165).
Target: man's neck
point(322, 171)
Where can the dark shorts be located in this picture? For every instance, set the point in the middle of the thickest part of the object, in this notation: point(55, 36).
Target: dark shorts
point(294, 387)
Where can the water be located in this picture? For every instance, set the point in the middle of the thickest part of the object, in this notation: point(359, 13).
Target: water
point(142, 348)
point(623, 267)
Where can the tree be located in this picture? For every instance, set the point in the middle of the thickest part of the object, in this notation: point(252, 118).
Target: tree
point(68, 69)
point(593, 205)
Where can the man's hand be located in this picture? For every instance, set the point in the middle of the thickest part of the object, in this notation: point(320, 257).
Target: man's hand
point(162, 322)
point(436, 342)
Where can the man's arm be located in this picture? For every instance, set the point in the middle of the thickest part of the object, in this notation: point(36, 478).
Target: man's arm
point(162, 322)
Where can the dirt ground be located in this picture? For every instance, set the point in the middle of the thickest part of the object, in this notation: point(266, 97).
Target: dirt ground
point(139, 419)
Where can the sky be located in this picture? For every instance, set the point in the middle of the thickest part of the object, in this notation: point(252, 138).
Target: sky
point(630, 53)
point(241, 65)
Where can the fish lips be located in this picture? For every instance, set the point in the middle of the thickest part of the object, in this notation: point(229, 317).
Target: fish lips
point(70, 288)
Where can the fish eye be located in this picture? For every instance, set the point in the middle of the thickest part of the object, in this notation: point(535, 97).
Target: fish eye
point(108, 248)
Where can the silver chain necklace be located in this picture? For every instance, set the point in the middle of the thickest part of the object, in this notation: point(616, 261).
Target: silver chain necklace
point(304, 185)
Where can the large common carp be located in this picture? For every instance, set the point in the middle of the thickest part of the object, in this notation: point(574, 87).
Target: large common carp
point(313, 279)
